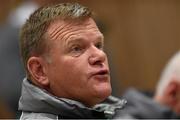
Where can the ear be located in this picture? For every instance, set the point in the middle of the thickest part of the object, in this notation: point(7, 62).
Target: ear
point(37, 68)
point(173, 92)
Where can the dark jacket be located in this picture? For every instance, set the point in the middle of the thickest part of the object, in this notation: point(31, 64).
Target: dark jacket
point(140, 106)
point(36, 103)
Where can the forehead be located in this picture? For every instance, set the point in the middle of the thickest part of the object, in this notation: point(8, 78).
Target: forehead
point(65, 29)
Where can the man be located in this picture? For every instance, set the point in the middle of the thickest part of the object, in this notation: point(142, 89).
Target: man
point(67, 70)
point(166, 101)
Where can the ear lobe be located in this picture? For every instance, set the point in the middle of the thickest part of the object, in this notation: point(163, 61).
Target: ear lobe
point(36, 67)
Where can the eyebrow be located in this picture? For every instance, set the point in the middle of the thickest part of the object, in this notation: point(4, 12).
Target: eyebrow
point(75, 40)
point(69, 42)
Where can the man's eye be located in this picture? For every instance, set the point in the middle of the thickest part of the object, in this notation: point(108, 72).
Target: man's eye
point(99, 46)
point(76, 49)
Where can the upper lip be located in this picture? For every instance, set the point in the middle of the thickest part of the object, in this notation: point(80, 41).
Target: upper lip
point(100, 72)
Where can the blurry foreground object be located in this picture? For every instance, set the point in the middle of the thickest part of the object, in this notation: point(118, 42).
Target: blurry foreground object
point(165, 104)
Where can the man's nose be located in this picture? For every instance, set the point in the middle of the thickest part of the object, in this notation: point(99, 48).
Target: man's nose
point(97, 57)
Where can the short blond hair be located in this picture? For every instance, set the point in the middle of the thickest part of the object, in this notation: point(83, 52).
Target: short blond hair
point(32, 38)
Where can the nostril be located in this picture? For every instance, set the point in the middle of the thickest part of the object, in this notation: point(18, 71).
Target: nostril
point(98, 62)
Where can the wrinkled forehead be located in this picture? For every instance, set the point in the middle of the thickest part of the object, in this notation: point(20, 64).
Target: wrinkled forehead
point(60, 29)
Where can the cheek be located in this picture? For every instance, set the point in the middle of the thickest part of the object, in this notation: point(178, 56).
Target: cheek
point(106, 62)
point(70, 70)
point(75, 68)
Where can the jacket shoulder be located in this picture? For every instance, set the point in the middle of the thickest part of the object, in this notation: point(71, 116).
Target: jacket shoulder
point(33, 115)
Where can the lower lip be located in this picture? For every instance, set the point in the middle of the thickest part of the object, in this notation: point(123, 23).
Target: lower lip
point(104, 77)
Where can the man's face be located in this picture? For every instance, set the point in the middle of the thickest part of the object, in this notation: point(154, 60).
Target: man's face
point(78, 67)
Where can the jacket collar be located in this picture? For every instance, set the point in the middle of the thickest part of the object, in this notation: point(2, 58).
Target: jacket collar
point(35, 99)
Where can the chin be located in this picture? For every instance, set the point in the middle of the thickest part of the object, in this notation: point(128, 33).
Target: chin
point(99, 95)
point(104, 92)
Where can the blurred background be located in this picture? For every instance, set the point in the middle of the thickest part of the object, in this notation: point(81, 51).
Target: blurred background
point(140, 37)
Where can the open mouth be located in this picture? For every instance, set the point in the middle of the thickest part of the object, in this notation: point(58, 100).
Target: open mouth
point(102, 72)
